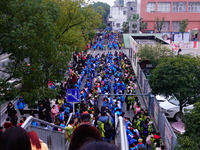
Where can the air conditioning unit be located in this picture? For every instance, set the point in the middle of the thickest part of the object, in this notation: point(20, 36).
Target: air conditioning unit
point(134, 26)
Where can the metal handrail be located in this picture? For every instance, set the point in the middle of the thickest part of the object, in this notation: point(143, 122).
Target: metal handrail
point(55, 139)
point(70, 117)
point(123, 135)
point(121, 139)
point(116, 121)
point(30, 119)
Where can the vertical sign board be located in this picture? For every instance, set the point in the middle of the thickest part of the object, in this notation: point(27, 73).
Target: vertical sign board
point(73, 95)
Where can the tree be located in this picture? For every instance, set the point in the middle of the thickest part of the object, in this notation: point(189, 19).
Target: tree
point(40, 36)
point(29, 38)
point(178, 76)
point(125, 27)
point(159, 24)
point(104, 10)
point(153, 53)
point(134, 17)
point(190, 139)
point(183, 25)
point(8, 91)
point(143, 25)
point(76, 23)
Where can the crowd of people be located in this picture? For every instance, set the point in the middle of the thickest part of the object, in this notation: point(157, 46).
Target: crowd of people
point(107, 40)
point(97, 78)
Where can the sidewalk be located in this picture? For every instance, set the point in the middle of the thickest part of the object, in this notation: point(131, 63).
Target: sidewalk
point(193, 52)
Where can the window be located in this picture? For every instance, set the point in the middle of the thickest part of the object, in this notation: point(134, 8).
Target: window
point(121, 3)
point(124, 12)
point(151, 7)
point(179, 6)
point(132, 9)
point(175, 26)
point(134, 31)
point(165, 27)
point(194, 7)
point(118, 25)
point(163, 7)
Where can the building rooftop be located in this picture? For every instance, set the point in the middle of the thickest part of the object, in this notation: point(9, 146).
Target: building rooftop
point(143, 39)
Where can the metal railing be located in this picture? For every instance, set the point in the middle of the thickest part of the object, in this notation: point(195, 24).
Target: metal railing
point(160, 121)
point(121, 135)
point(54, 139)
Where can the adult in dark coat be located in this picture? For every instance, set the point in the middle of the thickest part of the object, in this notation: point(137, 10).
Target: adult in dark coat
point(41, 111)
point(11, 111)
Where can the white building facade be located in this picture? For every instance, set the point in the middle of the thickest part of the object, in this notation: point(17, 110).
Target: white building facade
point(119, 13)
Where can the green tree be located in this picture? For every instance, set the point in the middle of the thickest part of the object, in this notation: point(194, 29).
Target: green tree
point(104, 10)
point(153, 53)
point(40, 36)
point(105, 7)
point(8, 91)
point(183, 25)
point(134, 17)
point(125, 27)
point(178, 76)
point(159, 24)
point(29, 36)
point(143, 25)
point(190, 139)
point(76, 23)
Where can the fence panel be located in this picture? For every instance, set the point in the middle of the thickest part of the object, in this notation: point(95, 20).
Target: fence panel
point(154, 109)
point(160, 121)
point(54, 139)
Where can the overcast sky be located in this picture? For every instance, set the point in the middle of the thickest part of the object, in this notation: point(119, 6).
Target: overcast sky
point(110, 2)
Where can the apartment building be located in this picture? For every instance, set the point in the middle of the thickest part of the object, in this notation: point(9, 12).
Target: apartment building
point(120, 12)
point(173, 12)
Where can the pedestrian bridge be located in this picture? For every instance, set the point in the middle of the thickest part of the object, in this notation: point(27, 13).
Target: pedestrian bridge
point(56, 140)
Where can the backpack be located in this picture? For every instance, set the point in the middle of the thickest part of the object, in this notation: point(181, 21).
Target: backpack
point(108, 130)
point(145, 131)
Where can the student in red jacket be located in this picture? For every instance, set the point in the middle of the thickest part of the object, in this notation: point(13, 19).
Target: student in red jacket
point(7, 124)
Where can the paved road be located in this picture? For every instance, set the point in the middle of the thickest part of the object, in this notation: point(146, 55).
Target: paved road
point(194, 52)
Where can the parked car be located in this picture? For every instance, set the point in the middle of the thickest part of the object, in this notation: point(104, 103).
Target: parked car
point(161, 98)
point(171, 108)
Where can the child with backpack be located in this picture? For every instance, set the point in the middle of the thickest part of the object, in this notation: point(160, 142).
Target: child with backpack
point(105, 127)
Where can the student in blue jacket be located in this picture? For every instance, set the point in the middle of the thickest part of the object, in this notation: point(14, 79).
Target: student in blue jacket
point(20, 105)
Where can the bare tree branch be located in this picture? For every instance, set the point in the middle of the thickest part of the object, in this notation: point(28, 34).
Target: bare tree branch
point(71, 27)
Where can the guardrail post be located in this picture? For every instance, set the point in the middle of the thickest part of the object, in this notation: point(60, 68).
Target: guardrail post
point(0, 114)
point(145, 85)
point(151, 103)
point(49, 143)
